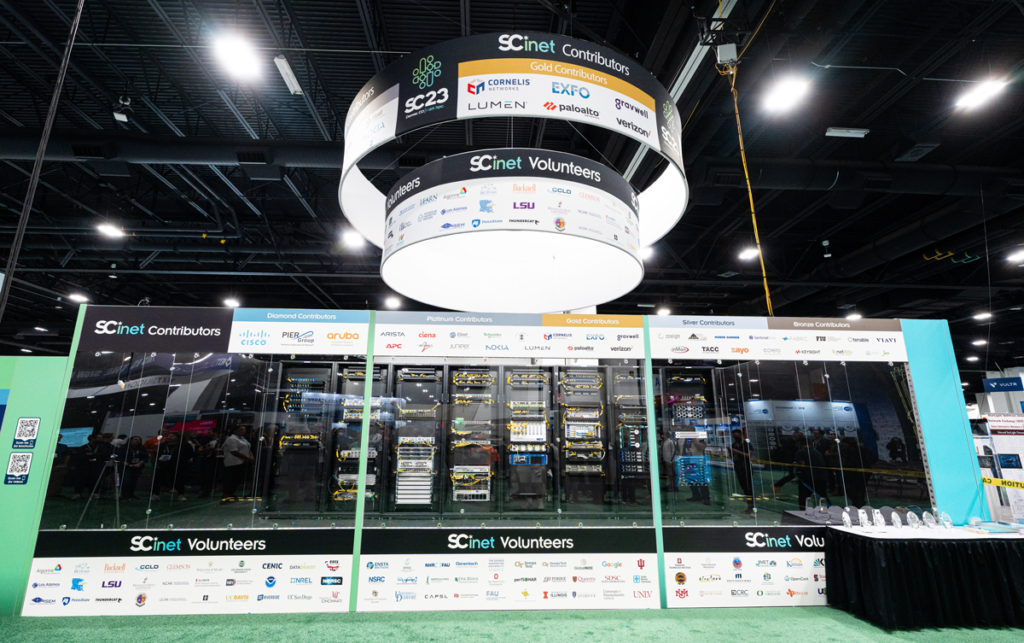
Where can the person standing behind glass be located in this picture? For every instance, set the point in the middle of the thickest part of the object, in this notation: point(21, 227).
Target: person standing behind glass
point(133, 458)
point(741, 465)
point(237, 453)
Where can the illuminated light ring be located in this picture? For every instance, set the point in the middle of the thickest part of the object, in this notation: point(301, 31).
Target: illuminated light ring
point(437, 69)
point(512, 230)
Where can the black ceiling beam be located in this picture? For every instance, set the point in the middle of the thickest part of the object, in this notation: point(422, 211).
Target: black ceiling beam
point(372, 15)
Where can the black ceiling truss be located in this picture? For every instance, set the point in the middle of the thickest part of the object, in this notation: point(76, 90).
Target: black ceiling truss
point(228, 189)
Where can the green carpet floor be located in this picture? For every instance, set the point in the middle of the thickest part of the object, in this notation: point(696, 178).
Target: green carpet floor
point(753, 625)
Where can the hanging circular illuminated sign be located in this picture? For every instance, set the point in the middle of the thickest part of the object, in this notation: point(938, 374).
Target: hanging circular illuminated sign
point(512, 230)
point(533, 75)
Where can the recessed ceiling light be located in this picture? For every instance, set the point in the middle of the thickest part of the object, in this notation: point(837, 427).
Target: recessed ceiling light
point(353, 239)
point(664, 311)
point(979, 342)
point(77, 298)
point(25, 350)
point(41, 329)
point(983, 316)
point(748, 253)
point(972, 358)
point(854, 316)
point(980, 93)
point(108, 230)
point(393, 302)
point(237, 56)
point(231, 302)
point(964, 384)
point(786, 94)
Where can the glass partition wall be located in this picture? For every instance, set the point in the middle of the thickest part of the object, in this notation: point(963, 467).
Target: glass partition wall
point(759, 442)
point(227, 440)
point(512, 443)
point(160, 440)
point(218, 440)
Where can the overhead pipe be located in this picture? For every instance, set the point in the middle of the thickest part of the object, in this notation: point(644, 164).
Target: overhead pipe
point(130, 147)
point(711, 177)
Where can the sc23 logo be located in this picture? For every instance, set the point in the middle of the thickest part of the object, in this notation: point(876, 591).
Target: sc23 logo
point(423, 101)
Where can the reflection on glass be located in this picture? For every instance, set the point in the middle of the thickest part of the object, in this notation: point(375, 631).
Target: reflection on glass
point(777, 436)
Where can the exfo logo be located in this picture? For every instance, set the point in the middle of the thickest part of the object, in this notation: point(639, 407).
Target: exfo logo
point(569, 89)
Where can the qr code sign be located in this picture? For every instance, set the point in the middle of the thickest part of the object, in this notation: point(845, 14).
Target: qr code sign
point(19, 464)
point(28, 429)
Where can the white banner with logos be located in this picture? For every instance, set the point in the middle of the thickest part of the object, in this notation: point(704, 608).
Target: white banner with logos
point(127, 586)
point(448, 582)
point(745, 580)
point(473, 335)
point(295, 331)
point(759, 338)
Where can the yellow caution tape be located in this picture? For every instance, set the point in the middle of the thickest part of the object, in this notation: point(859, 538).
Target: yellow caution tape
point(999, 482)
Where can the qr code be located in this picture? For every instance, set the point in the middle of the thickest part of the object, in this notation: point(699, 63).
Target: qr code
point(19, 464)
point(28, 429)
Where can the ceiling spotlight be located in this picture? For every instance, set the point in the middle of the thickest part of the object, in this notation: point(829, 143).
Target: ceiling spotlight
point(964, 384)
point(353, 239)
point(979, 342)
point(972, 358)
point(77, 298)
point(25, 350)
point(1016, 257)
point(108, 230)
point(393, 302)
point(847, 132)
point(237, 56)
point(41, 329)
point(646, 253)
point(854, 316)
point(231, 302)
point(980, 93)
point(122, 112)
point(748, 254)
point(289, 76)
point(664, 311)
point(983, 316)
point(786, 94)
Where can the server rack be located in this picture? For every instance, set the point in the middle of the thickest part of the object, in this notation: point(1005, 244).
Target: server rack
point(417, 439)
point(529, 447)
point(584, 432)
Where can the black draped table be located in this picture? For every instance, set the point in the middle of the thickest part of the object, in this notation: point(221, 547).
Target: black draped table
point(914, 578)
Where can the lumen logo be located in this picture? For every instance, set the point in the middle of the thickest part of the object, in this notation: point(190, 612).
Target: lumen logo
point(488, 162)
